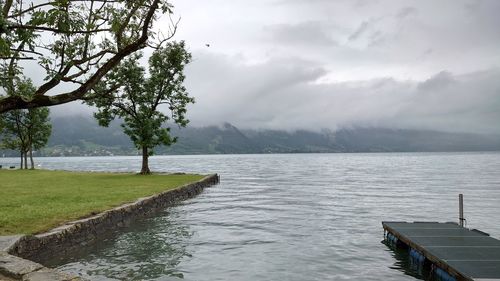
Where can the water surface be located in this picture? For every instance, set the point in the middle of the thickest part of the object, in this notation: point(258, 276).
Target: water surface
point(289, 217)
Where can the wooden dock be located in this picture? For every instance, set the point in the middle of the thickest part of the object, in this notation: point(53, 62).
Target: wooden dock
point(453, 252)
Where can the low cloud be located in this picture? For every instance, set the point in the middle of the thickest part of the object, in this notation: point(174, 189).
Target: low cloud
point(286, 94)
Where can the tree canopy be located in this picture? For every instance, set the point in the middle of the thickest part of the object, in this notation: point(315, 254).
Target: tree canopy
point(25, 130)
point(73, 43)
point(140, 99)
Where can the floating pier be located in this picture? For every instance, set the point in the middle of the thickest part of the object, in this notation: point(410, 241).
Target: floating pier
point(453, 252)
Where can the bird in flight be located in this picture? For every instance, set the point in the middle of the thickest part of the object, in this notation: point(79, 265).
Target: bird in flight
point(208, 45)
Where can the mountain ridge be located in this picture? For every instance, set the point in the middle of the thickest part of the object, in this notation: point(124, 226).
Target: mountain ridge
point(87, 138)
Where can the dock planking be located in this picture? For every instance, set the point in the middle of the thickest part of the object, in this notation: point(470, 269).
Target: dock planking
point(463, 253)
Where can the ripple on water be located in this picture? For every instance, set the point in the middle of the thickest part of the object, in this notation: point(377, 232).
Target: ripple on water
point(289, 217)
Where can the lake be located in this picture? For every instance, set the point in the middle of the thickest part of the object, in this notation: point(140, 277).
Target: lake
point(288, 216)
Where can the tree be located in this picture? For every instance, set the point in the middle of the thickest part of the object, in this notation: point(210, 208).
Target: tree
point(13, 133)
point(138, 99)
point(75, 43)
point(39, 129)
point(25, 130)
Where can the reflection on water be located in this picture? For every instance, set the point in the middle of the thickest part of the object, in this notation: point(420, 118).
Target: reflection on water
point(406, 264)
point(290, 217)
point(136, 254)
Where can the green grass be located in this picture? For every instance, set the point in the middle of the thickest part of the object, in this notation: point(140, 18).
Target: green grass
point(36, 201)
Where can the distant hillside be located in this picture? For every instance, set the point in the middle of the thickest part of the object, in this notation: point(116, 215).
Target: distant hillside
point(77, 135)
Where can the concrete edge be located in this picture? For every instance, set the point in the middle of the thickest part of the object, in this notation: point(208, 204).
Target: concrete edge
point(16, 268)
point(21, 257)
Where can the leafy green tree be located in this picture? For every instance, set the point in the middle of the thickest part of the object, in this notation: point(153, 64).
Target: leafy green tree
point(25, 130)
point(74, 43)
point(140, 100)
point(39, 129)
point(13, 132)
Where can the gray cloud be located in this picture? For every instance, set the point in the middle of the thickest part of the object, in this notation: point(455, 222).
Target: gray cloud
point(473, 6)
point(363, 27)
point(312, 33)
point(437, 82)
point(406, 12)
point(325, 64)
point(286, 94)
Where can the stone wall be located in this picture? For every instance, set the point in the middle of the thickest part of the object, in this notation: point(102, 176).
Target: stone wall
point(72, 235)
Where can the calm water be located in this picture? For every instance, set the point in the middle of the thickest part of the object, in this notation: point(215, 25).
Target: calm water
point(289, 217)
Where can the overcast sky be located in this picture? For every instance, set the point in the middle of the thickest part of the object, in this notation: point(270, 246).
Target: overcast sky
point(290, 64)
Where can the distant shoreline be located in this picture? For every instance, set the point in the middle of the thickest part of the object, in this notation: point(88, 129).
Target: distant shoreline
point(284, 153)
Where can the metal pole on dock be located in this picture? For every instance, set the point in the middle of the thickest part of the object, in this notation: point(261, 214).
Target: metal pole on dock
point(461, 209)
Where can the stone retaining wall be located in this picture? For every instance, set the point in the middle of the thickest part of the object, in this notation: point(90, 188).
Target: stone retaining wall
point(66, 238)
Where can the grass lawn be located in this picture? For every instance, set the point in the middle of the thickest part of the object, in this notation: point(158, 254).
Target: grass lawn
point(38, 200)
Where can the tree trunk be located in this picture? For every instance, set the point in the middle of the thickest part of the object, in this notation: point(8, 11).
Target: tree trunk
point(145, 166)
point(22, 159)
point(31, 159)
point(26, 160)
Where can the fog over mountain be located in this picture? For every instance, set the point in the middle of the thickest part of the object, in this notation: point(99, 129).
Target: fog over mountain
point(302, 64)
point(89, 139)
